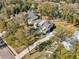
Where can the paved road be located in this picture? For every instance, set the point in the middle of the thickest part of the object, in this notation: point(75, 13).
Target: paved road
point(5, 53)
point(23, 53)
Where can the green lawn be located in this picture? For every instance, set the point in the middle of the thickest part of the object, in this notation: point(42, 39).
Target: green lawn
point(62, 25)
point(62, 53)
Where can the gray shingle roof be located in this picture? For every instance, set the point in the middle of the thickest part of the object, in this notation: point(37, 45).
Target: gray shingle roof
point(75, 36)
point(32, 15)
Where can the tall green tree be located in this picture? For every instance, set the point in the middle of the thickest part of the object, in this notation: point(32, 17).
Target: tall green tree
point(47, 8)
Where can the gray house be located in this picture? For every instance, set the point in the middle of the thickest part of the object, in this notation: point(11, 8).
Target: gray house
point(75, 36)
point(45, 26)
point(31, 15)
point(69, 41)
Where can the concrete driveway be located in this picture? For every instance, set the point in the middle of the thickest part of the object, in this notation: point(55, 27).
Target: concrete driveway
point(5, 53)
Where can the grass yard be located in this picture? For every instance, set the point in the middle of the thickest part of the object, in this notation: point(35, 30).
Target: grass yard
point(63, 25)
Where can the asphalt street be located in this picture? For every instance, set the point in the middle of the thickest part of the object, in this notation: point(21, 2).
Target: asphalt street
point(4, 51)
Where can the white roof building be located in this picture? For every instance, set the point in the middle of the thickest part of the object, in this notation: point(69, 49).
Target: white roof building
point(68, 41)
point(75, 36)
point(67, 45)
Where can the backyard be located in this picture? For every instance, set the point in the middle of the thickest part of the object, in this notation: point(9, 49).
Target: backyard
point(63, 25)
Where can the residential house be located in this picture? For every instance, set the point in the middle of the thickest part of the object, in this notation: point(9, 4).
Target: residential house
point(45, 26)
point(67, 39)
point(75, 36)
point(31, 16)
point(67, 45)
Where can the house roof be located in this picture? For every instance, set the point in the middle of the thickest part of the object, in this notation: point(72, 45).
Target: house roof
point(67, 45)
point(41, 22)
point(32, 15)
point(75, 36)
point(44, 25)
point(70, 40)
point(76, 33)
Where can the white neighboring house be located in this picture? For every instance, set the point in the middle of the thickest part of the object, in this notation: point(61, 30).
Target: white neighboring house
point(31, 16)
point(67, 45)
point(75, 36)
